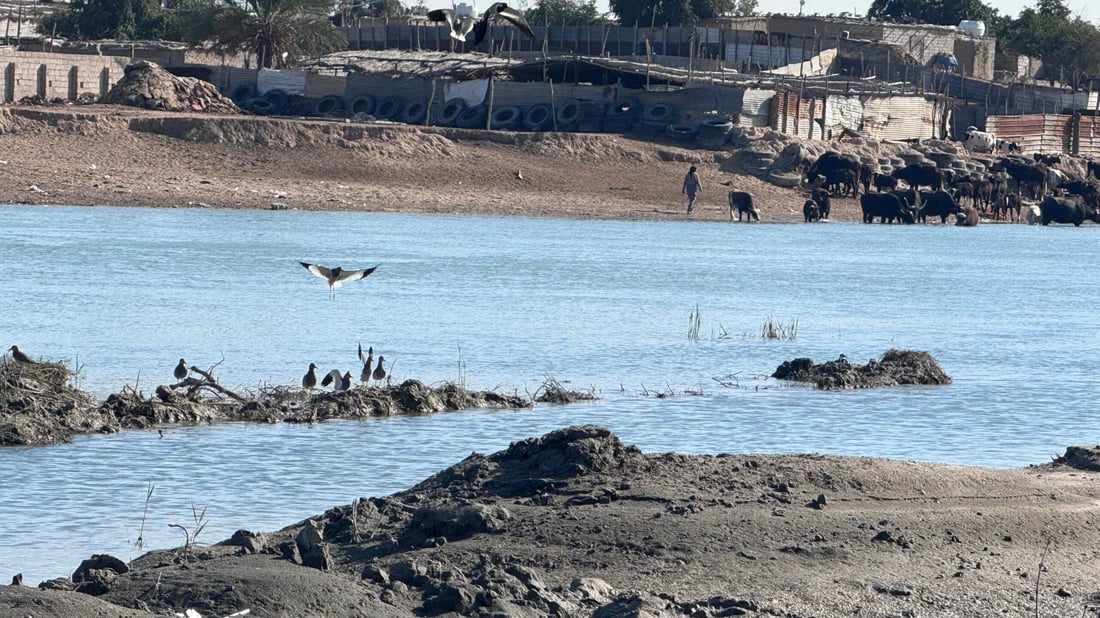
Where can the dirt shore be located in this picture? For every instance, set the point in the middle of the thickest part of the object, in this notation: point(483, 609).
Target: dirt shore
point(113, 155)
point(577, 524)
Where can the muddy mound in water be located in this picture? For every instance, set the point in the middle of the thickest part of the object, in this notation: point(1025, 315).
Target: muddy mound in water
point(38, 405)
point(146, 84)
point(896, 367)
point(535, 465)
point(1081, 457)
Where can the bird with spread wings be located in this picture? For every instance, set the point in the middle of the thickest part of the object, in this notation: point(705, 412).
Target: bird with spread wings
point(462, 21)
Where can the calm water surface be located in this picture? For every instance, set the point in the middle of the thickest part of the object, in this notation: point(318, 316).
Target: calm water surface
point(504, 303)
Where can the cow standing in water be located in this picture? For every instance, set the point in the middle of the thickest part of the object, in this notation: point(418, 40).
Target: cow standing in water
point(741, 201)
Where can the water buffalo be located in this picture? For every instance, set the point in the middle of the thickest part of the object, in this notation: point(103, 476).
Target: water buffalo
point(1034, 215)
point(967, 216)
point(810, 211)
point(1066, 210)
point(742, 203)
point(821, 197)
point(830, 162)
point(885, 182)
point(920, 175)
point(1025, 173)
point(938, 204)
point(887, 206)
point(1008, 208)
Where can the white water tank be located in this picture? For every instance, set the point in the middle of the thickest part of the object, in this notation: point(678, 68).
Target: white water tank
point(972, 27)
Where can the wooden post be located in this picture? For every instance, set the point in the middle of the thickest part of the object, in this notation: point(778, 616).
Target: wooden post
point(431, 100)
point(553, 107)
point(489, 115)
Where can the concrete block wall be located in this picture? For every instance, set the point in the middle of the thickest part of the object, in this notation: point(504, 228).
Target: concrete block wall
point(65, 76)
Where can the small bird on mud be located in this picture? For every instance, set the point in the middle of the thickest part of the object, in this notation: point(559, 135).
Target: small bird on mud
point(181, 370)
point(18, 356)
point(364, 376)
point(336, 276)
point(310, 379)
point(379, 373)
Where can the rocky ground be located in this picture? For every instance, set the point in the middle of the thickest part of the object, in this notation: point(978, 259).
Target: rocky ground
point(577, 524)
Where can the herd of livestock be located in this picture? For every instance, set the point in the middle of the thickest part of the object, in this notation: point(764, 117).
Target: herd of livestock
point(926, 190)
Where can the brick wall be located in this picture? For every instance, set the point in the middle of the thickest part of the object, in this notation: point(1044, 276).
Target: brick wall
point(65, 76)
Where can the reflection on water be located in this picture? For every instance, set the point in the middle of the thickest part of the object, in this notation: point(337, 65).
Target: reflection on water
point(1008, 311)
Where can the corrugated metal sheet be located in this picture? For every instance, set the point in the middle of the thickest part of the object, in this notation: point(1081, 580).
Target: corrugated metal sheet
point(756, 107)
point(900, 118)
point(1048, 133)
point(321, 85)
point(290, 82)
point(795, 115)
point(766, 57)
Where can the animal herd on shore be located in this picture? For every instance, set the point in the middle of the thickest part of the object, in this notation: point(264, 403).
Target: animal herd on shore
point(924, 190)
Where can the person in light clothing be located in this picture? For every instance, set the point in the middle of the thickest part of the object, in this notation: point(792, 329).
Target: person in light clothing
point(691, 187)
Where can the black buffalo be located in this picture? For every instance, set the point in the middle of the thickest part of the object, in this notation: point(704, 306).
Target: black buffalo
point(742, 203)
point(938, 204)
point(831, 162)
point(1066, 210)
point(1025, 173)
point(967, 216)
point(887, 206)
point(821, 197)
point(885, 182)
point(810, 211)
point(920, 175)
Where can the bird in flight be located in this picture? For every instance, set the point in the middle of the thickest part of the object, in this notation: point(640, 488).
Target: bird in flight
point(336, 276)
point(462, 21)
point(500, 11)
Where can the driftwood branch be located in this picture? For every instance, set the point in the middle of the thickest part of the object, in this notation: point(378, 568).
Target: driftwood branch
point(209, 382)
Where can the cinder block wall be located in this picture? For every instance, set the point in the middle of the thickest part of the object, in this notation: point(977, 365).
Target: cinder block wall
point(66, 76)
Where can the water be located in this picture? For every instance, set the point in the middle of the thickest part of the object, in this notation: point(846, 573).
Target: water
point(505, 303)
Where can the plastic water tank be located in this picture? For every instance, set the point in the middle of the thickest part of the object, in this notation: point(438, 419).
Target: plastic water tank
point(972, 27)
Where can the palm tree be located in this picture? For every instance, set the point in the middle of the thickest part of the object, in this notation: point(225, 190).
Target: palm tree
point(272, 29)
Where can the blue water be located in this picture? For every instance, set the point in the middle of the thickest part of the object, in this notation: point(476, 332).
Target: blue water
point(1009, 311)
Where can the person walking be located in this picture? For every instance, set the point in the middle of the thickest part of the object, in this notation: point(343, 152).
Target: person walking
point(691, 187)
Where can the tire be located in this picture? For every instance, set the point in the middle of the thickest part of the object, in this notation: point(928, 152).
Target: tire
point(472, 117)
point(448, 116)
point(621, 116)
point(414, 113)
point(389, 108)
point(329, 104)
point(362, 104)
point(659, 112)
point(507, 118)
point(682, 132)
point(243, 92)
point(260, 105)
point(568, 113)
point(279, 100)
point(538, 117)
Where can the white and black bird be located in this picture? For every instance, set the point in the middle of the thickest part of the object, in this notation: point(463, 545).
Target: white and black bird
point(335, 379)
point(500, 11)
point(460, 20)
point(336, 276)
point(368, 361)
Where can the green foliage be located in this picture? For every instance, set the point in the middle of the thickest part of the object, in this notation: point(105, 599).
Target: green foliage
point(931, 11)
point(1069, 47)
point(109, 19)
point(745, 7)
point(669, 12)
point(267, 28)
point(568, 12)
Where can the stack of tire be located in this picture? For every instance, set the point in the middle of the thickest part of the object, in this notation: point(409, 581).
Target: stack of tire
point(656, 118)
point(714, 133)
point(274, 102)
point(757, 162)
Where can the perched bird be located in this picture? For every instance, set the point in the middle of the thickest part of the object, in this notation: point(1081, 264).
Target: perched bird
point(18, 356)
point(346, 383)
point(336, 276)
point(460, 20)
point(379, 373)
point(364, 376)
point(499, 11)
point(333, 377)
point(310, 379)
point(181, 370)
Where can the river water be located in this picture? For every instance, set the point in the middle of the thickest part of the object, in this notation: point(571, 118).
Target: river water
point(1009, 311)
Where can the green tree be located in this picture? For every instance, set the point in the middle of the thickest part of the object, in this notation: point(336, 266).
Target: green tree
point(109, 19)
point(931, 11)
point(267, 28)
point(1069, 47)
point(569, 12)
point(745, 7)
point(669, 12)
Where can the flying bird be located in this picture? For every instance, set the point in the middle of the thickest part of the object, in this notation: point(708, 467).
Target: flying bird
point(181, 370)
point(336, 276)
point(310, 379)
point(18, 356)
point(460, 20)
point(500, 11)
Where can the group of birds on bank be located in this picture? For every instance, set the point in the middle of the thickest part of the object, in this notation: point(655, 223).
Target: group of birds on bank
point(342, 382)
point(462, 20)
